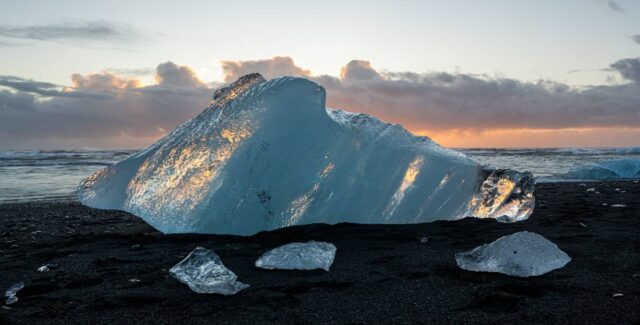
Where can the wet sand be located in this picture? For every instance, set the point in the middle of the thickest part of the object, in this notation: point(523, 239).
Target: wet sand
point(381, 273)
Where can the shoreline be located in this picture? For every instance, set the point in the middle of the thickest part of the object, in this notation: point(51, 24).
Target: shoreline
point(380, 273)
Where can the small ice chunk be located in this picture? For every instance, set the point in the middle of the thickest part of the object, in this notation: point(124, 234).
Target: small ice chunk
point(618, 205)
point(203, 271)
point(135, 280)
point(11, 293)
point(424, 240)
point(44, 268)
point(591, 189)
point(299, 256)
point(521, 254)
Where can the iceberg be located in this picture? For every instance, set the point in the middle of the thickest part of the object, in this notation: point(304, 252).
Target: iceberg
point(203, 271)
point(269, 154)
point(623, 168)
point(299, 256)
point(522, 254)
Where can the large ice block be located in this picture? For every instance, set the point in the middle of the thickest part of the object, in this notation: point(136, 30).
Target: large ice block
point(521, 254)
point(269, 154)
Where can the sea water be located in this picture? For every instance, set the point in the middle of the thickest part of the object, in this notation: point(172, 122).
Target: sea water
point(35, 175)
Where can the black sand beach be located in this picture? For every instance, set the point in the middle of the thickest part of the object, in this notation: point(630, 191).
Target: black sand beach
point(381, 274)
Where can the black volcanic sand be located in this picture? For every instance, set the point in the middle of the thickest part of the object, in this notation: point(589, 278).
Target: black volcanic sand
point(381, 273)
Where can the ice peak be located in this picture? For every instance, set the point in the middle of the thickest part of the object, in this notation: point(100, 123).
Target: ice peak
point(223, 95)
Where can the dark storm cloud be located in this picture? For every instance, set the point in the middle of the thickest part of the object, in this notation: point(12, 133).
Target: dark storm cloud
point(636, 38)
point(75, 33)
point(628, 68)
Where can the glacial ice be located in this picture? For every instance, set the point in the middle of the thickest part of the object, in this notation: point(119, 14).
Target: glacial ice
point(299, 256)
point(623, 168)
point(522, 254)
point(203, 271)
point(268, 154)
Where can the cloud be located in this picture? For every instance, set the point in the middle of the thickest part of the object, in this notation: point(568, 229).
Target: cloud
point(103, 81)
point(443, 101)
point(169, 73)
point(614, 6)
point(636, 38)
point(104, 105)
point(44, 89)
point(99, 106)
point(628, 68)
point(84, 34)
point(137, 72)
point(269, 68)
point(358, 70)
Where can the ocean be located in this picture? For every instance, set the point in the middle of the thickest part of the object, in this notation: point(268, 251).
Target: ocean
point(34, 175)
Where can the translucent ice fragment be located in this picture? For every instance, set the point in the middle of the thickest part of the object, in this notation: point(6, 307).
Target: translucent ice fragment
point(203, 271)
point(505, 195)
point(11, 293)
point(299, 256)
point(44, 268)
point(521, 254)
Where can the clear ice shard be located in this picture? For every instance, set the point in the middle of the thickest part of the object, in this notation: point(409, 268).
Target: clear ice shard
point(522, 254)
point(269, 154)
point(299, 256)
point(11, 293)
point(203, 271)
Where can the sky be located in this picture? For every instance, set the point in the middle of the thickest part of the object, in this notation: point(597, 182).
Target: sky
point(121, 74)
